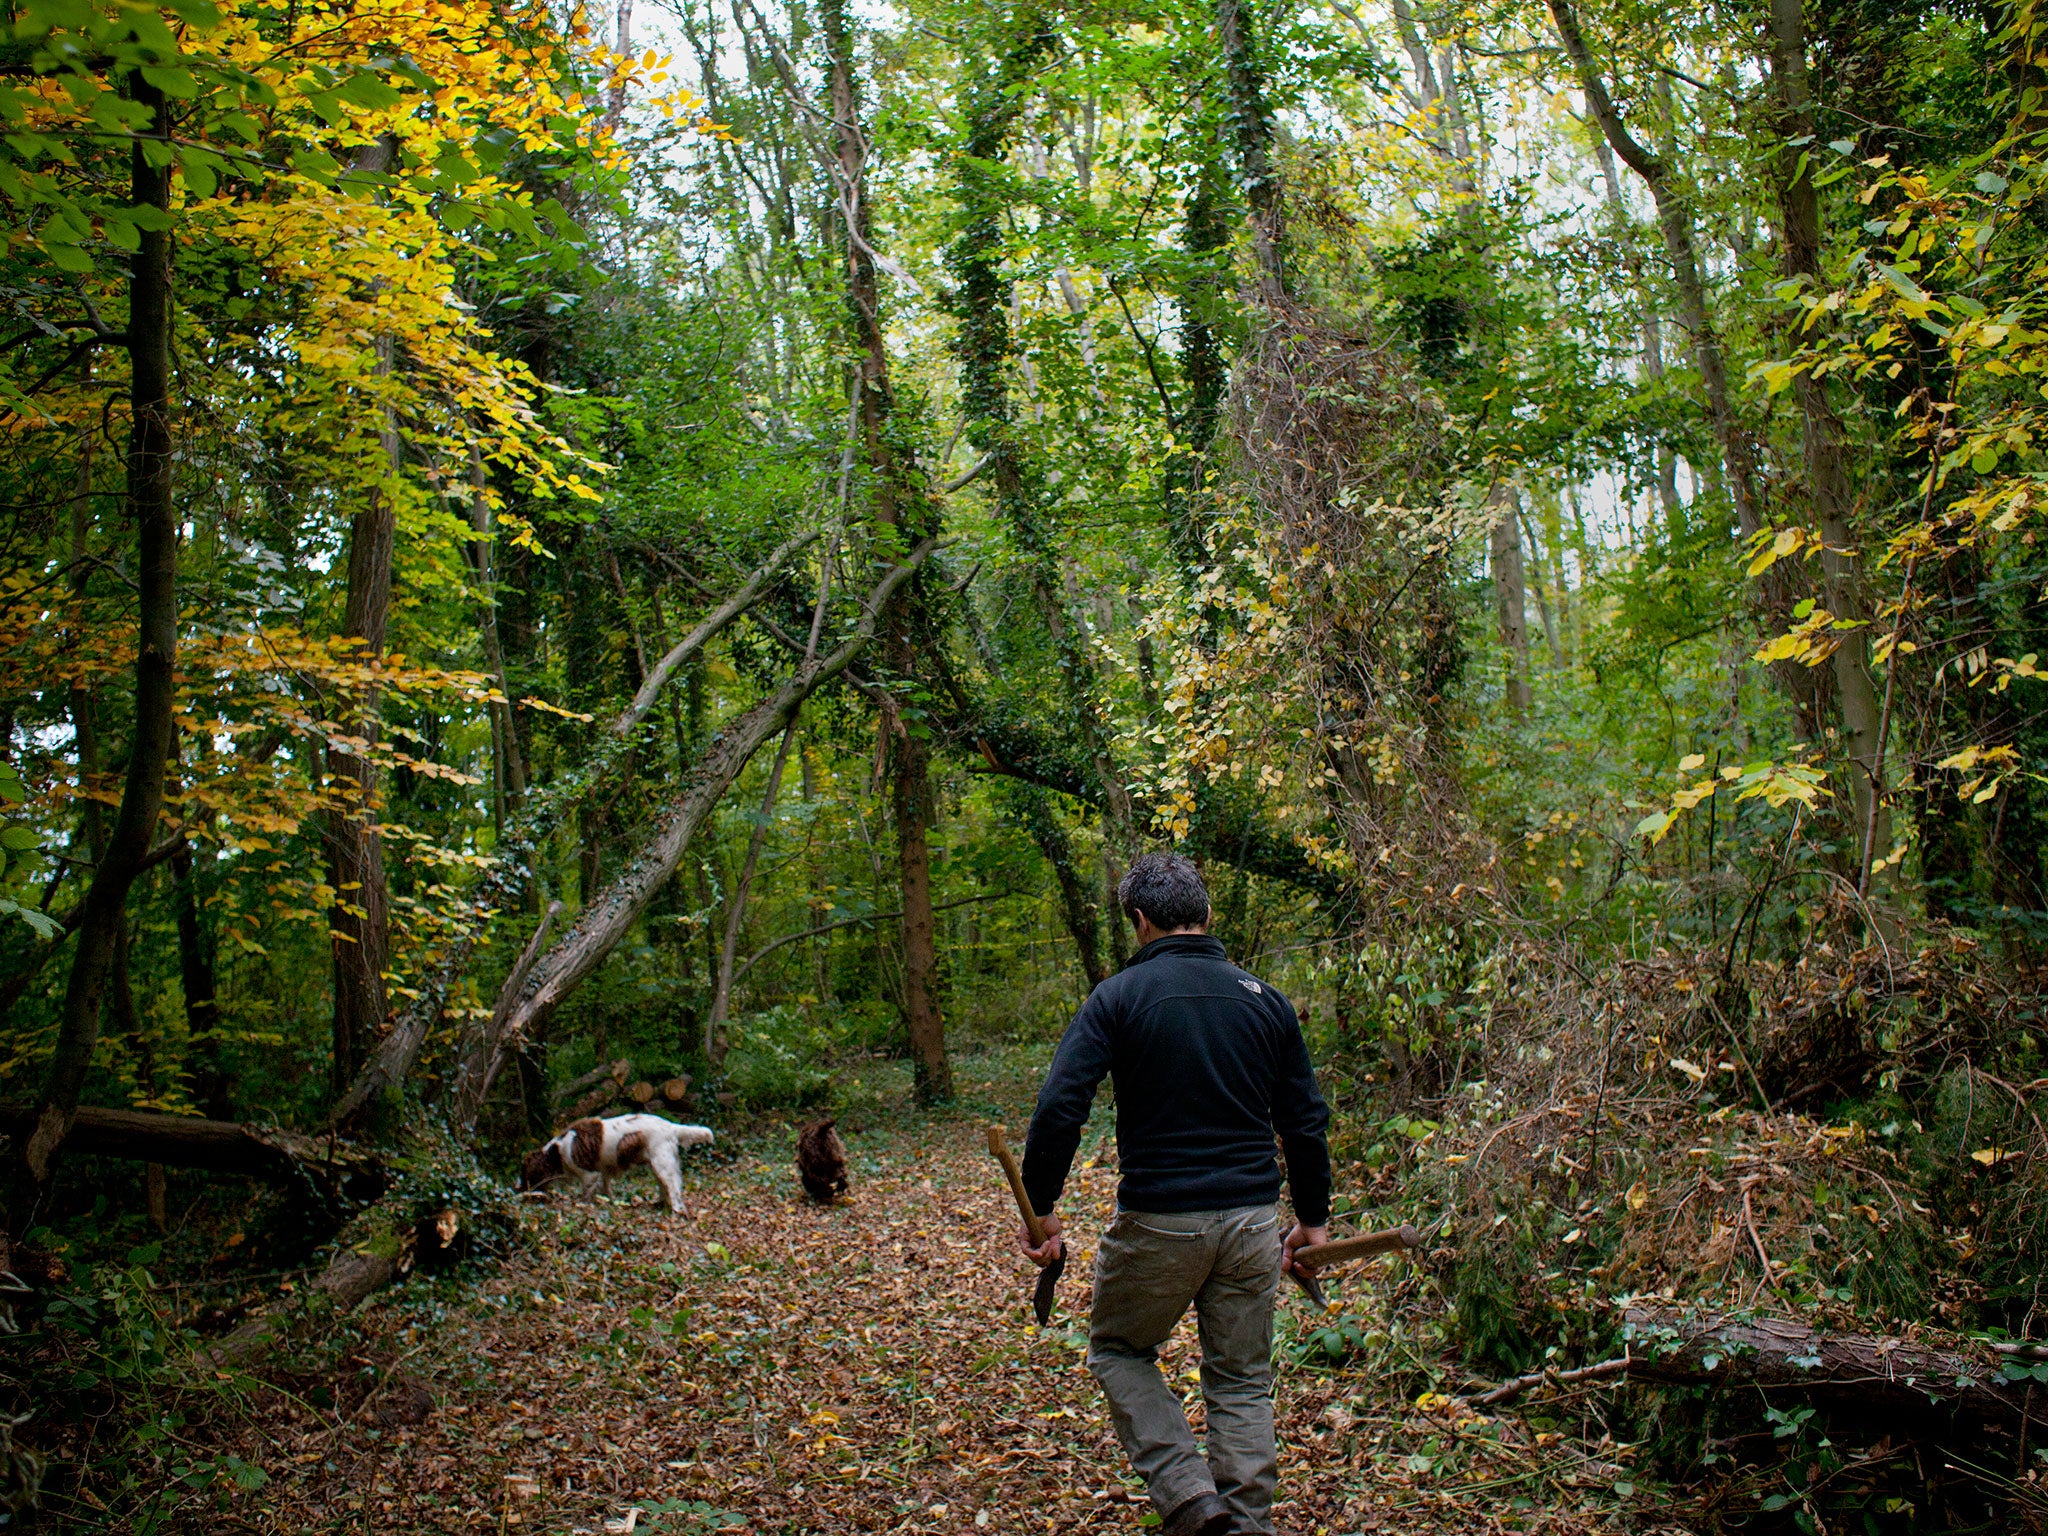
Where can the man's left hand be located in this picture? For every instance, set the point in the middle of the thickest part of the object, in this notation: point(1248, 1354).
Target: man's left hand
point(1301, 1237)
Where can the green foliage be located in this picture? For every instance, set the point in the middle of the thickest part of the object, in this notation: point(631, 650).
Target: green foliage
point(108, 1344)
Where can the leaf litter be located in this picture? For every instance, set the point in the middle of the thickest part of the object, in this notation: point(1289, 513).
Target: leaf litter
point(766, 1365)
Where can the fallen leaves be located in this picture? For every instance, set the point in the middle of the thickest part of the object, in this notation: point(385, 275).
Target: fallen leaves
point(769, 1365)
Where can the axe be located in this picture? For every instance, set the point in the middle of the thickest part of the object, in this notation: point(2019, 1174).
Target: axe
point(1365, 1246)
point(1049, 1276)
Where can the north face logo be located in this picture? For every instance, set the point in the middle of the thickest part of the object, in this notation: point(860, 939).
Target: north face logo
point(1249, 985)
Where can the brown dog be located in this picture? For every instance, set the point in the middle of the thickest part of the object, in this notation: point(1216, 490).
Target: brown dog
point(821, 1162)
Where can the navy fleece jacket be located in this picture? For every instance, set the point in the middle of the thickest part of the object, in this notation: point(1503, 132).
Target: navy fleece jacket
point(1209, 1066)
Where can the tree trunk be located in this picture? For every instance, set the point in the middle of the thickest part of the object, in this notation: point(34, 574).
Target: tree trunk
point(360, 919)
point(1033, 807)
point(1825, 443)
point(1548, 570)
point(84, 707)
point(209, 1078)
point(910, 797)
point(897, 503)
point(1653, 343)
point(150, 509)
point(508, 765)
point(1674, 221)
point(1205, 237)
point(1510, 595)
point(736, 908)
point(983, 343)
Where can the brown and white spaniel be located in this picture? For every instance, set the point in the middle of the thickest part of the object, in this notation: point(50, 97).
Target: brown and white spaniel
point(596, 1151)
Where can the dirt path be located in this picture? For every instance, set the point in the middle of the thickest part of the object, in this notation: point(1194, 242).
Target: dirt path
point(763, 1365)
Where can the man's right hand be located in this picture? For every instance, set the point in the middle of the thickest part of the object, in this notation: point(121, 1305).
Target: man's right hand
point(1044, 1253)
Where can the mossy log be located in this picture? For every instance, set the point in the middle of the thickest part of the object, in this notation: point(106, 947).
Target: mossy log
point(1905, 1375)
point(1670, 1346)
point(375, 1256)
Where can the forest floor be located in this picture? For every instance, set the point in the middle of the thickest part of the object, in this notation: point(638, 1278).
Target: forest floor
point(765, 1365)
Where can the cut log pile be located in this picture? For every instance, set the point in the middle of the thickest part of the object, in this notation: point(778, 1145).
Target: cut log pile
point(601, 1086)
point(607, 1084)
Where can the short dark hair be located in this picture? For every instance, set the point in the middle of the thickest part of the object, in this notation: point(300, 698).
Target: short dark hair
point(1168, 889)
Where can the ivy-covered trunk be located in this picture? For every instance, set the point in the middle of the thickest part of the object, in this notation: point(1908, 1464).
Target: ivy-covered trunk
point(984, 346)
point(900, 503)
point(1824, 445)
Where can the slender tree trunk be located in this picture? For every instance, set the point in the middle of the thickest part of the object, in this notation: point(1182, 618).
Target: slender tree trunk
point(1033, 807)
point(1653, 341)
point(736, 907)
point(151, 511)
point(622, 44)
point(508, 765)
point(1674, 221)
point(982, 303)
point(1825, 442)
point(209, 1079)
point(1205, 237)
point(360, 919)
point(910, 799)
point(84, 707)
point(1510, 595)
point(1547, 571)
point(897, 503)
point(483, 1048)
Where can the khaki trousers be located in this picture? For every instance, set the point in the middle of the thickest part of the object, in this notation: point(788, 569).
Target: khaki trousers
point(1148, 1271)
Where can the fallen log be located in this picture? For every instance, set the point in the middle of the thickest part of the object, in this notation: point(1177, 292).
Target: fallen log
point(337, 1168)
point(358, 1269)
point(1671, 1346)
point(608, 915)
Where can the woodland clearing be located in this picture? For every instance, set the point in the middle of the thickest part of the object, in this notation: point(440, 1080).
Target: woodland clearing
point(555, 557)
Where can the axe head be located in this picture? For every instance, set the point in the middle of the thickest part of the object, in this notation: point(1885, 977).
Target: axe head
point(1048, 1287)
point(1312, 1288)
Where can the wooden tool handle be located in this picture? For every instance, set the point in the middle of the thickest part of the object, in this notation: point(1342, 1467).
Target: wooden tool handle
point(1364, 1246)
point(1000, 1147)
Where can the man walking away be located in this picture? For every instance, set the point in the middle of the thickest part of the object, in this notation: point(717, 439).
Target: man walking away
point(1208, 1064)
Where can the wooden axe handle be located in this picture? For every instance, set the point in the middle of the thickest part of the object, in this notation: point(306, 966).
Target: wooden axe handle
point(1366, 1245)
point(1000, 1147)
